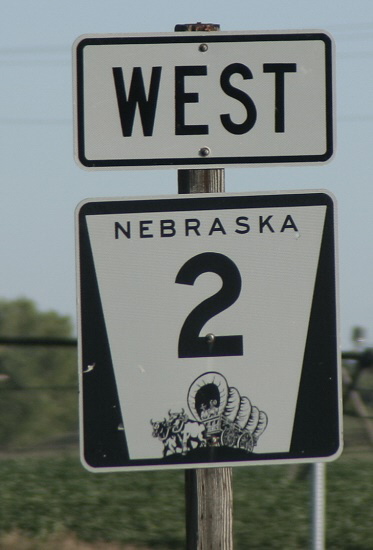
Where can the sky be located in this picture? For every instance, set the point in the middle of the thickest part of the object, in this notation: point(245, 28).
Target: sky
point(41, 184)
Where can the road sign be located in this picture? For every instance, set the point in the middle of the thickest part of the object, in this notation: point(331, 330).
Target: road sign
point(208, 330)
point(203, 99)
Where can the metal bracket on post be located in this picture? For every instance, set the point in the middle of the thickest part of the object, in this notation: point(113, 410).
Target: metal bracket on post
point(200, 27)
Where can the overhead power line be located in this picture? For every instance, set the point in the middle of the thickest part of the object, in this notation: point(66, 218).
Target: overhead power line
point(37, 341)
point(50, 54)
point(36, 121)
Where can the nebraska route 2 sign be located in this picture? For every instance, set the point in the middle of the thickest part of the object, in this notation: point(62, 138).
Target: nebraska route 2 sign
point(208, 332)
point(203, 99)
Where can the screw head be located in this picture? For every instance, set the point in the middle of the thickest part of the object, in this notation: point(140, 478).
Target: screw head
point(204, 152)
point(210, 338)
point(203, 48)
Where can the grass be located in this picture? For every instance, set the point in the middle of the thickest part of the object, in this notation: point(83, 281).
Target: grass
point(17, 541)
point(51, 499)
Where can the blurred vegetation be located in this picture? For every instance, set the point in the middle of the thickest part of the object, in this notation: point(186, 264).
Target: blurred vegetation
point(38, 385)
point(44, 498)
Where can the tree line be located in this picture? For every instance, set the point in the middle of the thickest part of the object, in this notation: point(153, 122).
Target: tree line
point(38, 385)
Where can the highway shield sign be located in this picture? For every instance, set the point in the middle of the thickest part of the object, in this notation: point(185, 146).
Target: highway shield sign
point(208, 330)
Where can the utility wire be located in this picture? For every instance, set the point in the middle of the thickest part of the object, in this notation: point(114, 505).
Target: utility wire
point(37, 341)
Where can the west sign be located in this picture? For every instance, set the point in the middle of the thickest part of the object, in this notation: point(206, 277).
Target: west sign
point(208, 331)
point(209, 99)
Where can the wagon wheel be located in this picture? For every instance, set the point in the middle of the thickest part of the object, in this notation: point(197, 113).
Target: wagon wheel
point(228, 437)
point(246, 442)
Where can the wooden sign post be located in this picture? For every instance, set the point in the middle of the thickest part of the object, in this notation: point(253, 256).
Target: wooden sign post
point(208, 491)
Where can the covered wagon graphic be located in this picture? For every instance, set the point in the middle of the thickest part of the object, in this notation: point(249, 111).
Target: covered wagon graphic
point(221, 417)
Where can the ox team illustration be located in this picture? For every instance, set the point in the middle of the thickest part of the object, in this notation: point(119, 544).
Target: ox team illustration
point(221, 417)
point(208, 330)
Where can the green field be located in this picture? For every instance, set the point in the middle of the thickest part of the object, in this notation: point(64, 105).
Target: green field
point(52, 501)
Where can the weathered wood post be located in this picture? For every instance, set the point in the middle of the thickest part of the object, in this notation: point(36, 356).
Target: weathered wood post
point(208, 491)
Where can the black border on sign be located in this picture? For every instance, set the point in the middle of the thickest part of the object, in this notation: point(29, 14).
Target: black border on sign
point(202, 161)
point(316, 430)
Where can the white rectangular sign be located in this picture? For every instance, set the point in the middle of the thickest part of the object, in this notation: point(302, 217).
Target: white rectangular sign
point(203, 99)
point(208, 330)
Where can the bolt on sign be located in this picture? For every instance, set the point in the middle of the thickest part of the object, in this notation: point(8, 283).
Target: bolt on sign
point(208, 331)
point(203, 99)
